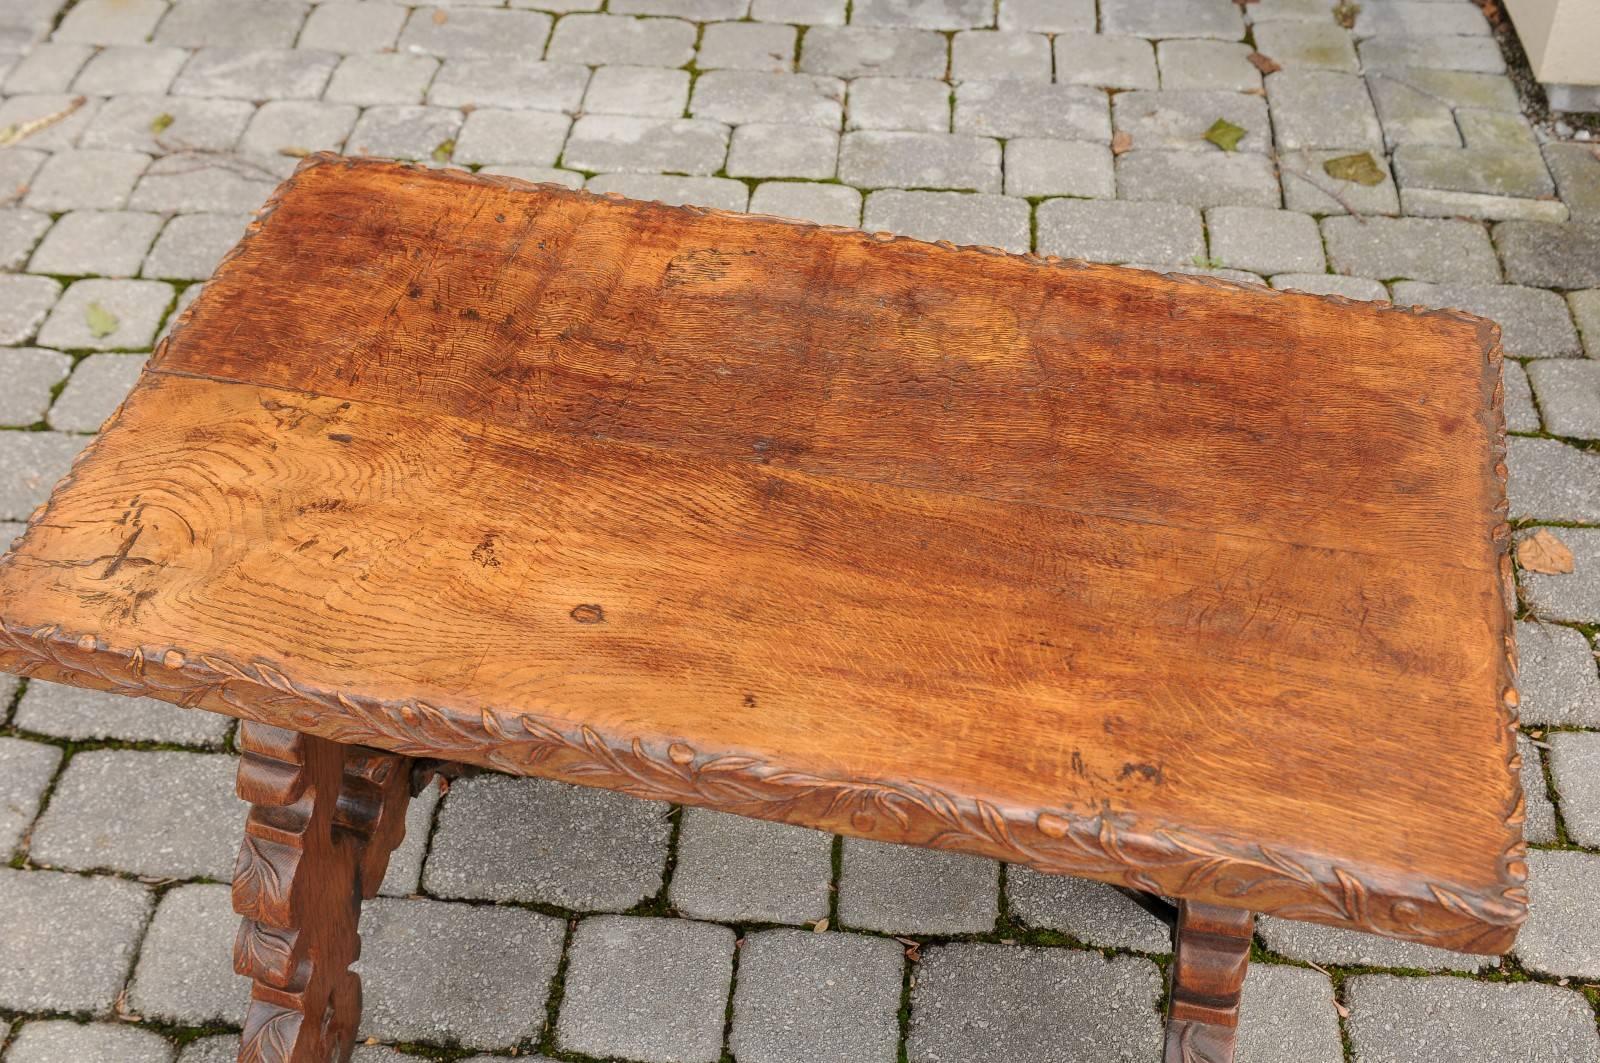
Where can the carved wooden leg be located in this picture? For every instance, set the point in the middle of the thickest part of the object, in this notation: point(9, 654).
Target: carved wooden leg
point(1210, 957)
point(324, 820)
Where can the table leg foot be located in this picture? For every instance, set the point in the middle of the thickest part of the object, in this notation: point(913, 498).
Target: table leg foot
point(324, 818)
point(1211, 955)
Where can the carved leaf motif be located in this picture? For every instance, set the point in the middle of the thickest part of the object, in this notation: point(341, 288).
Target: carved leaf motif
point(261, 878)
point(269, 1039)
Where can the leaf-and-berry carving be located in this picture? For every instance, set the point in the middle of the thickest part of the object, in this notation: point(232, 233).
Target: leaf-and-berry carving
point(1109, 846)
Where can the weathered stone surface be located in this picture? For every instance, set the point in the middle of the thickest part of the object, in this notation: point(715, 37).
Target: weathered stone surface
point(1556, 675)
point(390, 78)
point(80, 714)
point(1573, 596)
point(501, 838)
point(858, 51)
point(1485, 171)
point(973, 1001)
point(159, 813)
point(653, 990)
point(1575, 769)
point(1552, 481)
point(827, 204)
point(1180, 120)
point(1561, 937)
point(805, 996)
point(719, 192)
point(1475, 54)
point(1333, 284)
point(872, 159)
point(131, 123)
point(1539, 814)
point(651, 91)
point(473, 975)
point(31, 463)
point(1210, 179)
point(912, 104)
point(24, 301)
point(1585, 308)
point(896, 889)
point(1548, 255)
point(1428, 1020)
point(602, 39)
point(1521, 415)
point(192, 245)
point(1027, 109)
point(30, 374)
point(67, 941)
point(1568, 391)
point(295, 127)
point(1317, 109)
point(1412, 248)
point(1115, 231)
point(1264, 241)
point(478, 33)
point(1287, 1015)
point(1576, 169)
point(62, 1041)
point(924, 14)
point(1040, 167)
point(741, 870)
point(961, 218)
point(1399, 18)
point(996, 55)
point(348, 26)
point(110, 21)
point(746, 46)
point(1172, 18)
point(738, 96)
point(801, 12)
point(85, 178)
point(1093, 912)
point(1445, 203)
point(1048, 16)
point(698, 10)
point(1533, 323)
point(107, 242)
point(217, 184)
point(1315, 943)
point(138, 307)
point(26, 768)
point(619, 143)
point(185, 973)
point(404, 874)
point(256, 74)
point(406, 132)
point(772, 149)
point(19, 233)
point(1222, 66)
point(32, 106)
point(1410, 115)
point(493, 135)
point(137, 68)
point(1309, 188)
point(1302, 45)
point(1106, 61)
point(230, 24)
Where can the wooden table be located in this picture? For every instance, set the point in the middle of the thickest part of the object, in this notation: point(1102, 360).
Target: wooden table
point(1195, 588)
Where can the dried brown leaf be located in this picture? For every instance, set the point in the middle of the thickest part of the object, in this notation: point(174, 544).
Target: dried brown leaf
point(1121, 141)
point(1264, 63)
point(440, 17)
point(1543, 552)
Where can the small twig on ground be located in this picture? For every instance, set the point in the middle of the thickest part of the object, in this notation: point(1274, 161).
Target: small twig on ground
point(15, 134)
point(1332, 193)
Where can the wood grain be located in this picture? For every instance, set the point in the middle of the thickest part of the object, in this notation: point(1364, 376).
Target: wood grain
point(1211, 956)
point(1197, 589)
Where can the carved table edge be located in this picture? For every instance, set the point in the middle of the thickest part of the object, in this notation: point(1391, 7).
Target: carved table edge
point(1109, 846)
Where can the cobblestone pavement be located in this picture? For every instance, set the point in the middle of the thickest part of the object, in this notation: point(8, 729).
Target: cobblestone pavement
point(597, 927)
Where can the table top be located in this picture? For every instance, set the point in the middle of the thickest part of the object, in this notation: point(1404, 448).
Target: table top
point(1191, 586)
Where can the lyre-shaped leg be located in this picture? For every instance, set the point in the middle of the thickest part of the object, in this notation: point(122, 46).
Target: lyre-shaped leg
point(1211, 955)
point(323, 821)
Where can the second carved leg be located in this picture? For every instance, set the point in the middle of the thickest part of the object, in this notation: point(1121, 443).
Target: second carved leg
point(1210, 958)
point(323, 821)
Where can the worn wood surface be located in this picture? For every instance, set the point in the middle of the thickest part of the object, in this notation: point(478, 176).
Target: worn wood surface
point(1187, 586)
point(1211, 955)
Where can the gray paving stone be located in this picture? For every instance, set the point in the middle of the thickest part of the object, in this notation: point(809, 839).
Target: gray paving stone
point(652, 91)
point(598, 40)
point(859, 51)
point(160, 813)
point(1576, 169)
point(1457, 88)
point(1429, 1020)
point(803, 12)
point(49, 67)
point(741, 870)
point(1521, 414)
point(141, 123)
point(67, 941)
point(192, 245)
point(1489, 128)
point(698, 10)
point(369, 80)
point(1179, 120)
point(1316, 109)
point(771, 149)
point(31, 464)
point(1211, 179)
point(17, 167)
point(404, 874)
point(1222, 66)
point(26, 768)
point(1193, 268)
point(739, 96)
point(897, 889)
point(348, 26)
point(256, 73)
point(30, 375)
point(211, 184)
point(924, 14)
point(654, 990)
point(1115, 231)
point(17, 110)
point(1093, 912)
point(995, 55)
point(1398, 18)
point(479, 33)
point(1287, 1015)
point(1561, 937)
point(1585, 308)
point(1308, 187)
point(1552, 481)
point(1048, 16)
point(76, 713)
point(961, 218)
point(533, 86)
point(80, 178)
point(974, 1001)
point(1301, 46)
point(803, 997)
point(1533, 323)
point(404, 132)
point(746, 46)
point(1264, 241)
point(146, 70)
point(1412, 116)
point(1514, 172)
point(298, 127)
point(63, 1041)
point(1172, 18)
point(1040, 167)
point(1569, 395)
point(1314, 943)
point(542, 174)
point(491, 135)
point(827, 204)
point(1575, 769)
point(874, 159)
point(1442, 203)
point(110, 21)
point(1333, 284)
point(1413, 248)
point(912, 104)
point(1573, 596)
point(230, 24)
point(620, 143)
point(720, 192)
point(138, 306)
point(472, 975)
point(1556, 676)
point(1106, 61)
point(1474, 54)
point(108, 242)
point(19, 233)
point(185, 973)
point(1027, 109)
point(524, 839)
point(1550, 256)
point(223, 1048)
point(1539, 818)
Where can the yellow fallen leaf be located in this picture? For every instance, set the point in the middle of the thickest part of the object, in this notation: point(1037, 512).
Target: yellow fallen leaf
point(101, 321)
point(1225, 135)
point(1543, 552)
point(1361, 168)
point(160, 122)
point(820, 925)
